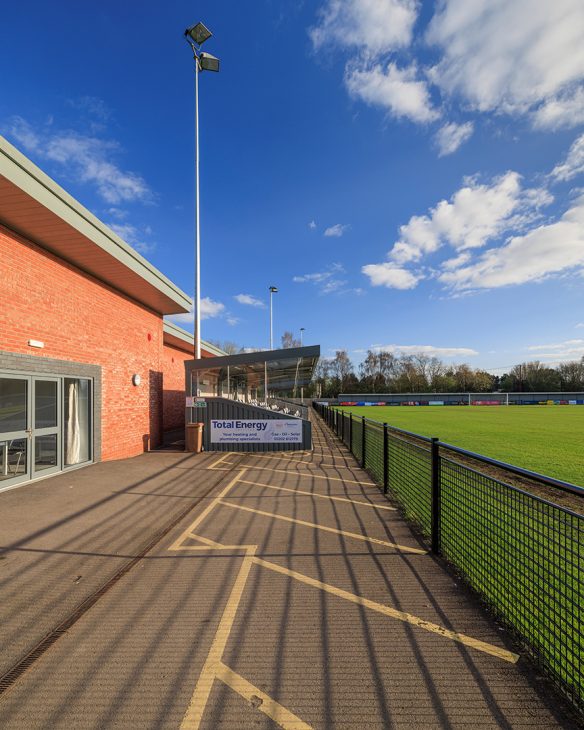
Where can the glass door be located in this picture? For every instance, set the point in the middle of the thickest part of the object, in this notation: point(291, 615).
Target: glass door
point(46, 426)
point(15, 429)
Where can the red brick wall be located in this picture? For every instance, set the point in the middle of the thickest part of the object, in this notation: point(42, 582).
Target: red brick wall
point(174, 386)
point(81, 319)
point(173, 360)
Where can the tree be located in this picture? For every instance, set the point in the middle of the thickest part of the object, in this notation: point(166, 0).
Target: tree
point(341, 367)
point(231, 348)
point(571, 375)
point(288, 340)
point(483, 382)
point(322, 380)
point(534, 376)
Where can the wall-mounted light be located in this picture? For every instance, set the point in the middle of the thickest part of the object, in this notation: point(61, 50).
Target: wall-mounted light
point(136, 379)
point(35, 343)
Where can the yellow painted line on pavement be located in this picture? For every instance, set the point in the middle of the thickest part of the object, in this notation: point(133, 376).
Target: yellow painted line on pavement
point(299, 461)
point(208, 509)
point(195, 710)
point(310, 475)
point(355, 535)
point(275, 711)
point(408, 618)
point(215, 464)
point(321, 496)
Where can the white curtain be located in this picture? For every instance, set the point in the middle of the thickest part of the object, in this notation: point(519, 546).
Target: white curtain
point(73, 446)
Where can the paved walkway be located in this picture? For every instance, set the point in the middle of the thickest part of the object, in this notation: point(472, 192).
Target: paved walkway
point(241, 591)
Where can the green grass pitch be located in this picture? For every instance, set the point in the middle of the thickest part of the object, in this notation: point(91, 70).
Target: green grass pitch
point(545, 439)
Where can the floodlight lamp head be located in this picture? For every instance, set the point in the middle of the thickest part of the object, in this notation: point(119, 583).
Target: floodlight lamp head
point(274, 289)
point(198, 33)
point(208, 62)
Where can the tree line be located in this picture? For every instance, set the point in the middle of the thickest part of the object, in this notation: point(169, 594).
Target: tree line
point(386, 372)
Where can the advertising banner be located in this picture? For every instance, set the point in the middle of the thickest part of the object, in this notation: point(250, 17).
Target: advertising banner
point(248, 431)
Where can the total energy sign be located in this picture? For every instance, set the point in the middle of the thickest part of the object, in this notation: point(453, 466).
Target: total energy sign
point(248, 431)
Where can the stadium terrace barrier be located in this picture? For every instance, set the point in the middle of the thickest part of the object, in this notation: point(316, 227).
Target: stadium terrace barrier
point(523, 554)
point(225, 409)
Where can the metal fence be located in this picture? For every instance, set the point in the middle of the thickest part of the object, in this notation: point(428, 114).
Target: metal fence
point(523, 554)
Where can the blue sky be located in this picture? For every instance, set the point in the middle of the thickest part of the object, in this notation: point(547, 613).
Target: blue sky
point(409, 175)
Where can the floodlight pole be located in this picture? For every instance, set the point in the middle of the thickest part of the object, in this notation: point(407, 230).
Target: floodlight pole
point(197, 228)
point(301, 387)
point(273, 290)
point(271, 322)
point(195, 36)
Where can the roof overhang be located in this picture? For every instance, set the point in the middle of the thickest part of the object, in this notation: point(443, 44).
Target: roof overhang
point(34, 206)
point(183, 340)
point(286, 368)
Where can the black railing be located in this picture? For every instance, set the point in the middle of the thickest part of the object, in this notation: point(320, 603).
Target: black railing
point(523, 554)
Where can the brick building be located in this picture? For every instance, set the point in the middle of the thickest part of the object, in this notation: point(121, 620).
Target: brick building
point(88, 368)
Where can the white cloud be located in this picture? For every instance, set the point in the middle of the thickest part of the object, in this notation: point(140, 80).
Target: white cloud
point(475, 214)
point(117, 213)
point(451, 136)
point(24, 134)
point(548, 249)
point(456, 262)
point(377, 26)
point(562, 112)
point(249, 300)
point(134, 236)
point(327, 282)
point(232, 321)
point(400, 91)
point(390, 275)
point(93, 106)
point(312, 225)
point(524, 57)
point(509, 57)
point(567, 350)
point(337, 230)
point(332, 285)
point(85, 159)
point(209, 309)
point(427, 350)
point(580, 325)
point(573, 164)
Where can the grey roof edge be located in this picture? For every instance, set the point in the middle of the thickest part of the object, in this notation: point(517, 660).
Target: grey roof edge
point(174, 330)
point(21, 171)
point(245, 358)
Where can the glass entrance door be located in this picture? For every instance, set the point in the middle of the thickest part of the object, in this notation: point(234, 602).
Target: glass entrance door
point(46, 426)
point(15, 429)
point(30, 428)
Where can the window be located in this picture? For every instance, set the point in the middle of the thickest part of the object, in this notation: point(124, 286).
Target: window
point(77, 426)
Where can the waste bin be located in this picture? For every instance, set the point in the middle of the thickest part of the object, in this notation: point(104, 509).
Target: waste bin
point(194, 437)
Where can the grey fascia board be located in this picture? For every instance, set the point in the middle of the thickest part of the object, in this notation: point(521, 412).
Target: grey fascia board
point(170, 328)
point(23, 173)
point(246, 358)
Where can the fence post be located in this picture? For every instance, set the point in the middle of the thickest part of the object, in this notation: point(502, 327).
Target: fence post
point(385, 459)
point(362, 442)
point(436, 501)
point(351, 432)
